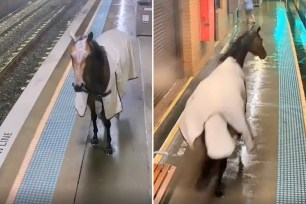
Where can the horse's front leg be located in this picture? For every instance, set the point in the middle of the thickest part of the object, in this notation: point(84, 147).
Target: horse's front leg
point(91, 104)
point(107, 125)
point(237, 119)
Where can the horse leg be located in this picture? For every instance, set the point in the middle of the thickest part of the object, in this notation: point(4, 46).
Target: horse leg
point(240, 169)
point(107, 125)
point(239, 122)
point(205, 162)
point(245, 110)
point(205, 175)
point(91, 104)
point(219, 191)
point(207, 166)
point(237, 136)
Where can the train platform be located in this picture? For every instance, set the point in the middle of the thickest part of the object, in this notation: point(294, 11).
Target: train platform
point(45, 150)
point(275, 171)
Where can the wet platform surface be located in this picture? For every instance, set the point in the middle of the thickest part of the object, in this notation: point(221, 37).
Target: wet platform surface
point(65, 167)
point(276, 116)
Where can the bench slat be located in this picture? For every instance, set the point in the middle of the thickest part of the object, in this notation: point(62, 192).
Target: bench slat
point(164, 186)
point(161, 177)
point(157, 172)
point(155, 166)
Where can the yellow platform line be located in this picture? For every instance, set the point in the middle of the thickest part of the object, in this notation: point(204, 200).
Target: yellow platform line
point(161, 120)
point(40, 128)
point(298, 73)
point(167, 142)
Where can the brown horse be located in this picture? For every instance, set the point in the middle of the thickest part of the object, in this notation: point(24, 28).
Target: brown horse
point(92, 75)
point(248, 42)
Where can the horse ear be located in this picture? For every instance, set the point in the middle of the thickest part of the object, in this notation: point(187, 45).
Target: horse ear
point(258, 29)
point(90, 36)
point(72, 36)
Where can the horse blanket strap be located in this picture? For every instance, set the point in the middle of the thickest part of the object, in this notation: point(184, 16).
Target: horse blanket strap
point(105, 94)
point(99, 95)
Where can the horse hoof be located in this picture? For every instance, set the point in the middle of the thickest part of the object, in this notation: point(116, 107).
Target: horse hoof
point(109, 151)
point(219, 193)
point(94, 141)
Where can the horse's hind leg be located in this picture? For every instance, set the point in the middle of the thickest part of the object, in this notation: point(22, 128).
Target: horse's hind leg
point(219, 191)
point(205, 175)
point(207, 163)
point(91, 104)
point(107, 124)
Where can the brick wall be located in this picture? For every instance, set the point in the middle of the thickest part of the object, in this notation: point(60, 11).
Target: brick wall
point(196, 53)
point(223, 20)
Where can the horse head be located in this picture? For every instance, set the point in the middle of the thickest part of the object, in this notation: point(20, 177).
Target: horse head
point(256, 47)
point(250, 41)
point(79, 54)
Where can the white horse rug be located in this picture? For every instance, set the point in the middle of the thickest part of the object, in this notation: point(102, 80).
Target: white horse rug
point(219, 142)
point(223, 93)
point(119, 51)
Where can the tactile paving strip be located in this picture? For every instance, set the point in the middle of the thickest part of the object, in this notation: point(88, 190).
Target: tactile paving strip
point(291, 177)
point(40, 179)
point(39, 182)
point(99, 22)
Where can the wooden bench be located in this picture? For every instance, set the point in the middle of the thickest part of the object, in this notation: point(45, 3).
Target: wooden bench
point(163, 174)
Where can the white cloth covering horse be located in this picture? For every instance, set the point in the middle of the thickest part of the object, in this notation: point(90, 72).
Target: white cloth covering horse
point(217, 101)
point(119, 51)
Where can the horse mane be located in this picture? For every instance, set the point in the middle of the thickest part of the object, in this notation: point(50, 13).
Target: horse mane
point(98, 50)
point(235, 46)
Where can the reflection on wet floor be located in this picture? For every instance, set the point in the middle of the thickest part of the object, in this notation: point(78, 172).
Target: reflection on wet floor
point(123, 14)
point(257, 183)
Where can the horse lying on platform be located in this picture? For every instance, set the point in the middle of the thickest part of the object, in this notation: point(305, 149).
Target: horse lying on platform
point(216, 111)
point(102, 68)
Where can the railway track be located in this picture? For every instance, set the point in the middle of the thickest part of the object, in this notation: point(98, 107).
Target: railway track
point(33, 46)
point(20, 17)
point(30, 33)
point(16, 11)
